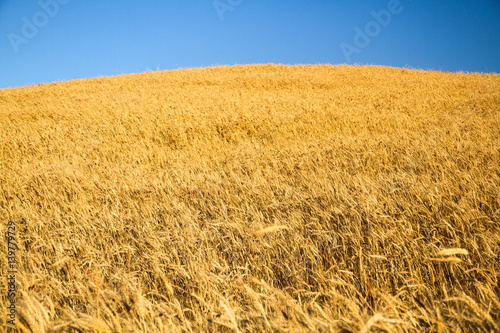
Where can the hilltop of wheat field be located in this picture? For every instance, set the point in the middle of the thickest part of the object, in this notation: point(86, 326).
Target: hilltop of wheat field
point(254, 198)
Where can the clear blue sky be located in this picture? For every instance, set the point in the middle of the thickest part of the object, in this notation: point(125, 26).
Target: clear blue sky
point(54, 40)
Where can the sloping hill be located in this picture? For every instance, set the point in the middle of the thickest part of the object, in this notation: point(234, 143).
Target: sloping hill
point(255, 198)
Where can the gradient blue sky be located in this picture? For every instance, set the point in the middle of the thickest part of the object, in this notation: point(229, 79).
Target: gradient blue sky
point(89, 38)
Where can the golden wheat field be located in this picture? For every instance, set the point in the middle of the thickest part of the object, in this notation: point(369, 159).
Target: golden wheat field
point(258, 198)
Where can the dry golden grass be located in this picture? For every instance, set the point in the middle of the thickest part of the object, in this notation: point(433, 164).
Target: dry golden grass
point(255, 198)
